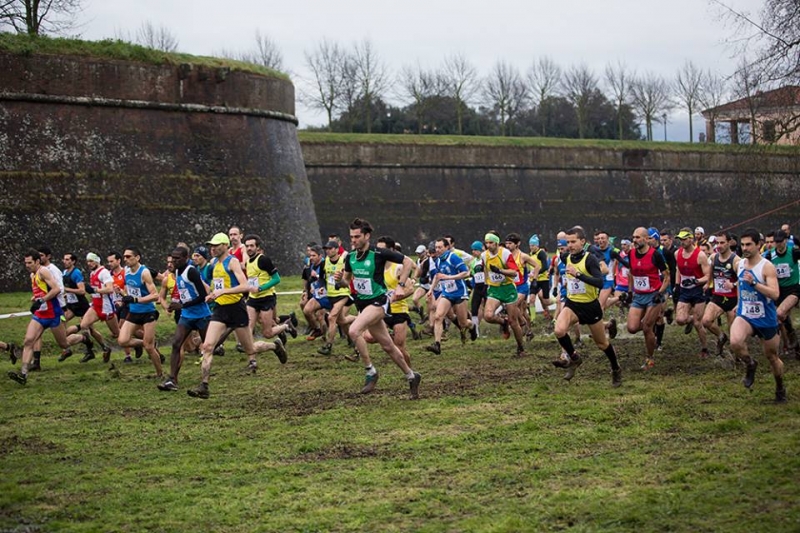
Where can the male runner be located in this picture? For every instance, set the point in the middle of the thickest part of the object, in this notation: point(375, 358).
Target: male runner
point(502, 269)
point(338, 294)
point(785, 260)
point(694, 274)
point(724, 297)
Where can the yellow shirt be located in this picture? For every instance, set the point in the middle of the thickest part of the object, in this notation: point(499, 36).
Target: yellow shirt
point(500, 261)
point(257, 277)
point(223, 278)
point(330, 269)
point(391, 280)
point(577, 290)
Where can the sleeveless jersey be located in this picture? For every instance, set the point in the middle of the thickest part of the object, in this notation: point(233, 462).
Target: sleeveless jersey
point(390, 276)
point(71, 279)
point(757, 309)
point(59, 277)
point(48, 309)
point(188, 291)
point(366, 284)
point(478, 275)
point(562, 275)
point(172, 287)
point(646, 277)
point(610, 263)
point(500, 260)
point(135, 287)
point(103, 303)
point(544, 267)
point(722, 272)
point(689, 267)
point(319, 287)
point(788, 273)
point(223, 278)
point(622, 272)
point(451, 264)
point(332, 268)
point(577, 290)
point(257, 277)
point(119, 282)
point(522, 269)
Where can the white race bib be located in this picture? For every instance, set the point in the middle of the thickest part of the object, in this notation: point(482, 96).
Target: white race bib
point(43, 307)
point(496, 278)
point(363, 286)
point(719, 285)
point(332, 280)
point(184, 295)
point(753, 309)
point(136, 292)
point(321, 292)
point(253, 282)
point(71, 298)
point(784, 270)
point(449, 285)
point(218, 284)
point(575, 286)
point(641, 283)
point(479, 277)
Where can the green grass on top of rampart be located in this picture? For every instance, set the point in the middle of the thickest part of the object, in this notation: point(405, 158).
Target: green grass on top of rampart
point(542, 142)
point(117, 49)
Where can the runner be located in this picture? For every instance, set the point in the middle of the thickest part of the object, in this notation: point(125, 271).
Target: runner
point(724, 297)
point(501, 289)
point(115, 268)
point(317, 302)
point(540, 283)
point(365, 265)
point(646, 271)
point(584, 280)
point(694, 274)
point(757, 314)
point(521, 281)
point(479, 289)
point(422, 269)
point(785, 260)
point(611, 258)
point(238, 248)
point(338, 294)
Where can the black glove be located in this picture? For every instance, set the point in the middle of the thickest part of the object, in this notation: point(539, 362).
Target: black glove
point(127, 299)
point(625, 298)
point(555, 292)
point(495, 269)
point(89, 289)
point(658, 298)
point(688, 283)
point(36, 304)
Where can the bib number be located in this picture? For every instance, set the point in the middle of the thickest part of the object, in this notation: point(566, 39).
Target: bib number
point(43, 307)
point(494, 277)
point(688, 282)
point(136, 292)
point(719, 285)
point(753, 310)
point(252, 282)
point(449, 285)
point(641, 283)
point(321, 292)
point(575, 286)
point(71, 298)
point(363, 286)
point(184, 295)
point(479, 277)
point(784, 270)
point(218, 284)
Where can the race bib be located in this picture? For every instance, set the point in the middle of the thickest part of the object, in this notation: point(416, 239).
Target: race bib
point(784, 270)
point(610, 275)
point(719, 285)
point(332, 280)
point(136, 292)
point(641, 283)
point(575, 286)
point(321, 292)
point(184, 295)
point(753, 310)
point(688, 282)
point(363, 286)
point(71, 298)
point(218, 284)
point(479, 277)
point(496, 278)
point(43, 307)
point(623, 272)
point(449, 285)
point(517, 279)
point(253, 282)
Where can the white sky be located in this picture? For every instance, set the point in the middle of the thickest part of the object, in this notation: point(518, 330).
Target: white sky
point(648, 35)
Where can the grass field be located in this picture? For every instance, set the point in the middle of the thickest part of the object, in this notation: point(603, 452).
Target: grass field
point(495, 443)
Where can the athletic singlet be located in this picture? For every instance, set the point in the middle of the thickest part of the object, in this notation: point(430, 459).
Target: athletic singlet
point(368, 271)
point(721, 273)
point(503, 260)
point(319, 287)
point(540, 258)
point(622, 272)
point(646, 276)
point(188, 291)
point(48, 309)
point(577, 290)
point(478, 275)
point(522, 269)
point(451, 264)
point(135, 287)
point(103, 303)
point(332, 268)
point(757, 309)
point(788, 273)
point(223, 278)
point(689, 267)
point(256, 277)
point(172, 287)
point(391, 279)
point(119, 282)
point(71, 279)
point(610, 263)
point(562, 275)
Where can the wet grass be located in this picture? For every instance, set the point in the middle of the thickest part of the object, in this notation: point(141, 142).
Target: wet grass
point(495, 444)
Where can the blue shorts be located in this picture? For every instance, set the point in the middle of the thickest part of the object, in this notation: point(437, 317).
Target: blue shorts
point(764, 333)
point(692, 296)
point(607, 284)
point(524, 289)
point(455, 300)
point(324, 303)
point(621, 288)
point(48, 323)
point(198, 324)
point(643, 301)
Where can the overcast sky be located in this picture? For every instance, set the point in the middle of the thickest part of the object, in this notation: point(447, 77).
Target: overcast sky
point(648, 35)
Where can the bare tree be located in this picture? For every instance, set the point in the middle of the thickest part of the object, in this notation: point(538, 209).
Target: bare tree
point(350, 90)
point(156, 37)
point(505, 92)
point(713, 93)
point(36, 17)
point(618, 79)
point(265, 53)
point(371, 75)
point(544, 81)
point(747, 86)
point(650, 96)
point(687, 88)
point(461, 82)
point(326, 64)
point(579, 85)
point(418, 85)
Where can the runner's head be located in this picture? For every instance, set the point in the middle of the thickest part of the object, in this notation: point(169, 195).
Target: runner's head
point(533, 243)
point(218, 245)
point(252, 245)
point(601, 239)
point(476, 249)
point(641, 239)
point(235, 236)
point(33, 260)
point(69, 260)
point(780, 241)
point(666, 238)
point(385, 242)
point(653, 237)
point(45, 253)
point(132, 256)
point(749, 242)
point(686, 238)
point(360, 232)
point(562, 244)
point(180, 257)
point(723, 242)
point(769, 240)
point(114, 260)
point(201, 256)
point(314, 254)
point(512, 241)
point(492, 242)
point(576, 239)
point(699, 233)
point(170, 264)
point(331, 248)
point(442, 245)
point(625, 245)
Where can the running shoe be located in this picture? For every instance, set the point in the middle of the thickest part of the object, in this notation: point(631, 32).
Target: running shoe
point(66, 354)
point(688, 328)
point(326, 349)
point(574, 362)
point(128, 359)
point(88, 356)
point(413, 385)
point(13, 353)
point(252, 367)
point(506, 329)
point(370, 380)
point(616, 378)
point(138, 350)
point(19, 377)
point(290, 327)
point(200, 391)
point(721, 341)
point(35, 366)
point(106, 354)
point(780, 395)
point(669, 314)
point(168, 385)
point(703, 353)
point(219, 350)
point(293, 319)
point(280, 351)
point(315, 334)
point(648, 364)
point(435, 348)
point(750, 375)
point(612, 328)
point(473, 333)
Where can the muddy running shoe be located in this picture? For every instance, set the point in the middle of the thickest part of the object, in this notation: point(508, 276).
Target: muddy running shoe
point(579, 343)
point(703, 353)
point(161, 356)
point(239, 347)
point(435, 348)
point(473, 333)
point(529, 335)
point(293, 319)
point(750, 374)
point(413, 385)
point(669, 314)
point(612, 328)
point(168, 385)
point(252, 367)
point(464, 335)
point(688, 328)
point(128, 359)
point(574, 362)
point(721, 341)
point(648, 364)
point(35, 366)
point(506, 329)
point(353, 357)
point(138, 350)
point(88, 356)
point(616, 378)
point(562, 361)
point(326, 349)
point(521, 352)
point(19, 377)
point(106, 354)
point(780, 395)
point(13, 353)
point(280, 352)
point(219, 350)
point(370, 380)
point(87, 342)
point(315, 334)
point(200, 391)
point(291, 327)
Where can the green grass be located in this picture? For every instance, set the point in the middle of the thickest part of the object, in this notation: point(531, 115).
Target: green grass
point(495, 444)
point(537, 142)
point(117, 49)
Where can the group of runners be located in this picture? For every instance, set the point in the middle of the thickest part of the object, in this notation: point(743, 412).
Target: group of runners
point(229, 285)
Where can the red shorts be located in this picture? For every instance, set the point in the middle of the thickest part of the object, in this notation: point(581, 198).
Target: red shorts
point(97, 305)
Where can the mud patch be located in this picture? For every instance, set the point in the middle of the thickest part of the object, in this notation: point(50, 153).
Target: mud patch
point(28, 445)
point(342, 451)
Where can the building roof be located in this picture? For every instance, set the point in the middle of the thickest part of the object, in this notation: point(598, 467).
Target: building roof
point(787, 96)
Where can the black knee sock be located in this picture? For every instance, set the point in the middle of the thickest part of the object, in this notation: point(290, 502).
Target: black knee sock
point(787, 323)
point(659, 328)
point(566, 343)
point(37, 356)
point(612, 357)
